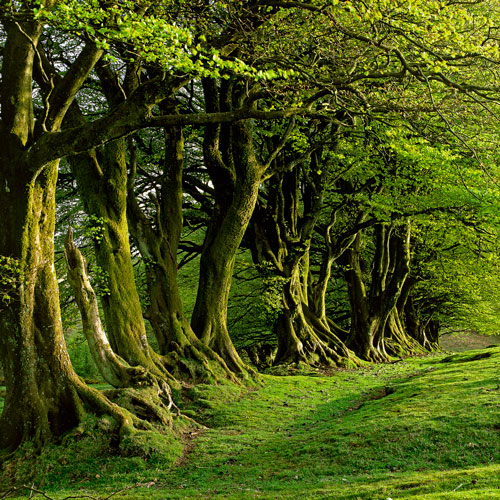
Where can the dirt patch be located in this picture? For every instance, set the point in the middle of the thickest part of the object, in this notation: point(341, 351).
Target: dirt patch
point(458, 342)
point(189, 439)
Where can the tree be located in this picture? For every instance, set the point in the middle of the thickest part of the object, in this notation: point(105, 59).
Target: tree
point(39, 376)
point(377, 55)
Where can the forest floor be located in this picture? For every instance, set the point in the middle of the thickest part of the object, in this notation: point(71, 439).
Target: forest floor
point(420, 429)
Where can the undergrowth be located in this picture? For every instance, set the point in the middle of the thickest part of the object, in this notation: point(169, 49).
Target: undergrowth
point(425, 428)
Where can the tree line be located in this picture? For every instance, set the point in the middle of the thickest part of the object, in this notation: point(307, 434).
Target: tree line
point(347, 148)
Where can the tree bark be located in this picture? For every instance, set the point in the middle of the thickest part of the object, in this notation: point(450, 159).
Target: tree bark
point(44, 396)
point(236, 175)
point(374, 317)
point(41, 400)
point(302, 336)
point(186, 356)
point(421, 327)
point(224, 236)
point(102, 184)
point(281, 239)
point(115, 370)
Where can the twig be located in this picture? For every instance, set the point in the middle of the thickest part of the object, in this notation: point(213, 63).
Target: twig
point(35, 491)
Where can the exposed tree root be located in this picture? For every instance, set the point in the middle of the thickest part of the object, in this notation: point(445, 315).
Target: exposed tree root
point(304, 338)
point(142, 396)
point(196, 362)
point(260, 355)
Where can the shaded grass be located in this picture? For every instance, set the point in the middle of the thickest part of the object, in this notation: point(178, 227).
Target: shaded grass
point(426, 428)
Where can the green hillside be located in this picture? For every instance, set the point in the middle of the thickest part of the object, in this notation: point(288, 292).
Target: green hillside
point(424, 428)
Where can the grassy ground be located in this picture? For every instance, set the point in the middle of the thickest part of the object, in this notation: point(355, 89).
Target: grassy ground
point(426, 428)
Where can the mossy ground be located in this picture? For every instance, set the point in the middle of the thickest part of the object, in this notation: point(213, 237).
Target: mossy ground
point(425, 428)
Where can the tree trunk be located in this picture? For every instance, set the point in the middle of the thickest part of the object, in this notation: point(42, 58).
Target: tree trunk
point(209, 319)
point(186, 356)
point(44, 396)
point(398, 340)
point(424, 330)
point(102, 183)
point(281, 239)
point(115, 371)
point(41, 400)
point(372, 306)
point(365, 338)
point(236, 174)
point(302, 336)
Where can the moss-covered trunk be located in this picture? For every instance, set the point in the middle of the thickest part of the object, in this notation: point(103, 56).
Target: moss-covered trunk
point(398, 340)
point(224, 235)
point(114, 370)
point(44, 396)
point(102, 184)
point(41, 401)
point(282, 230)
point(424, 328)
point(302, 335)
point(187, 357)
point(236, 175)
point(376, 331)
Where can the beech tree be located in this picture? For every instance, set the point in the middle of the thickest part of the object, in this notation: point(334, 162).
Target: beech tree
point(356, 58)
point(288, 212)
point(38, 373)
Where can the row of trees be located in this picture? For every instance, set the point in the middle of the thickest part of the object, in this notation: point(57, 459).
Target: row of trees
point(326, 138)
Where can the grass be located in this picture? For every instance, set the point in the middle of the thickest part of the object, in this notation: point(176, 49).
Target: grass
point(426, 429)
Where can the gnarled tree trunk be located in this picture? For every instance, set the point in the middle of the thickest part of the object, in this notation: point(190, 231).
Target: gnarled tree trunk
point(115, 370)
point(424, 328)
point(281, 239)
point(373, 305)
point(186, 356)
point(236, 175)
point(41, 400)
point(102, 183)
point(302, 335)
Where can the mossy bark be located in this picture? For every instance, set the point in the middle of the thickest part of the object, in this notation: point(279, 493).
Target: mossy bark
point(41, 400)
point(186, 356)
point(102, 183)
point(424, 328)
point(302, 335)
point(376, 331)
point(115, 370)
point(236, 175)
point(397, 340)
point(44, 396)
point(281, 239)
point(224, 235)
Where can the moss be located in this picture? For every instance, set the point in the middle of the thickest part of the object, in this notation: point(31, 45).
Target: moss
point(152, 445)
point(416, 429)
point(464, 358)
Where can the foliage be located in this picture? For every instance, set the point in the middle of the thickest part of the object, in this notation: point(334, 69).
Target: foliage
point(81, 359)
point(93, 228)
point(174, 37)
point(10, 279)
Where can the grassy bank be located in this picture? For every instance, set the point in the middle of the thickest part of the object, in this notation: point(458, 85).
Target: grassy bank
point(426, 428)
